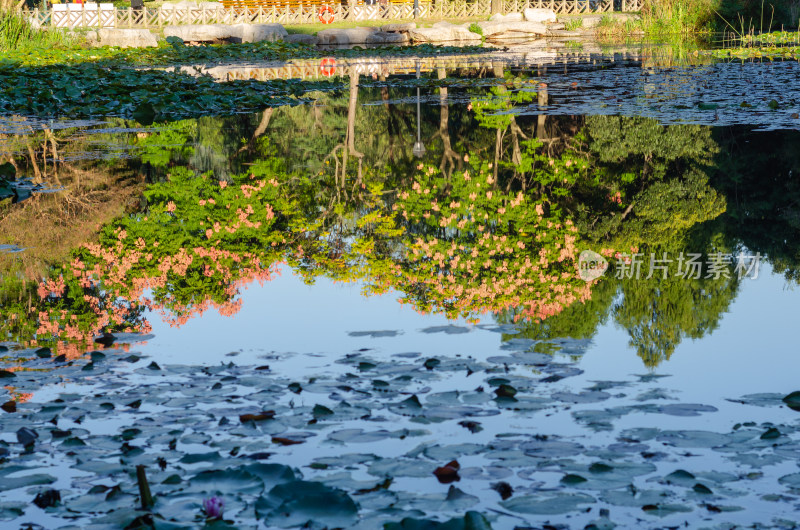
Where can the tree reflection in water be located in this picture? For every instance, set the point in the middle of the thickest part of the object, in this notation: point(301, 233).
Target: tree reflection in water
point(491, 220)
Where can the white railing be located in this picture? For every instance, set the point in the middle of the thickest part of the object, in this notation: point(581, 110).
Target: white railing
point(106, 15)
point(83, 15)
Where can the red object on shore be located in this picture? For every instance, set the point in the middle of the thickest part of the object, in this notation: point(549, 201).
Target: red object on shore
point(325, 14)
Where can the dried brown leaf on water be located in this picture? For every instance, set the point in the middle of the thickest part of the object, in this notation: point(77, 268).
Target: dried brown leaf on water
point(261, 416)
point(448, 473)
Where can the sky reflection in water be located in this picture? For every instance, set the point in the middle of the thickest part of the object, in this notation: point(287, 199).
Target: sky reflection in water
point(755, 336)
point(690, 188)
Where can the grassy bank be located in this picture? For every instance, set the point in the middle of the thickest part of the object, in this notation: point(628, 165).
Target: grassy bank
point(662, 18)
point(611, 28)
point(16, 33)
point(677, 17)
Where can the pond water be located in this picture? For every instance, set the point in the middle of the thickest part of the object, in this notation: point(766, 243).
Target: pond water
point(376, 305)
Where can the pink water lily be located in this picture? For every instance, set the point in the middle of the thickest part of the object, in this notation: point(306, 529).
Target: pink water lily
point(214, 507)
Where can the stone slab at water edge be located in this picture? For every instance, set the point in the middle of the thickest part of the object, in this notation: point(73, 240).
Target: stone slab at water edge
point(224, 33)
point(345, 36)
point(124, 38)
point(361, 36)
point(538, 14)
point(387, 38)
point(404, 27)
point(258, 33)
point(501, 29)
point(302, 38)
point(444, 32)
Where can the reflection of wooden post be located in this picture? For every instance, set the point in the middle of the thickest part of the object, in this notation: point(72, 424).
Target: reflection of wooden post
point(448, 154)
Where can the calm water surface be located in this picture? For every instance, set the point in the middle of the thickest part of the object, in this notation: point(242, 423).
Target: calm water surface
point(306, 314)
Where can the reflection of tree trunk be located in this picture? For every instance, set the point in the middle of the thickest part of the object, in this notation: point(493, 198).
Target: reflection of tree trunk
point(497, 146)
point(317, 115)
point(541, 132)
point(449, 156)
point(388, 108)
point(351, 124)
point(48, 134)
point(644, 179)
point(53, 144)
point(262, 127)
point(339, 186)
point(351, 116)
point(384, 91)
point(516, 132)
point(37, 174)
point(497, 69)
point(260, 130)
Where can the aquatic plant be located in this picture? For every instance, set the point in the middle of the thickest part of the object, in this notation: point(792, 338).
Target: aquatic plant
point(168, 55)
point(17, 33)
point(615, 28)
point(573, 24)
point(676, 17)
point(214, 507)
point(682, 17)
point(480, 248)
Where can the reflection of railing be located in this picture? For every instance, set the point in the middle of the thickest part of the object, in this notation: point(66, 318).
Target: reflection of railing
point(316, 4)
point(298, 12)
point(377, 67)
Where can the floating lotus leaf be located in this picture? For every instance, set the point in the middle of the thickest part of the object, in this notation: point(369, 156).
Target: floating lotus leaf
point(560, 503)
point(36, 479)
point(299, 502)
point(227, 481)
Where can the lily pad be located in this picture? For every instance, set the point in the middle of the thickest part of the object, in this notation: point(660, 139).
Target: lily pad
point(36, 479)
point(793, 401)
point(300, 502)
point(227, 481)
point(470, 521)
point(792, 481)
point(554, 505)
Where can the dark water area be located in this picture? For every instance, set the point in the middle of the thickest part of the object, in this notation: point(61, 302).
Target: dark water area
point(539, 291)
